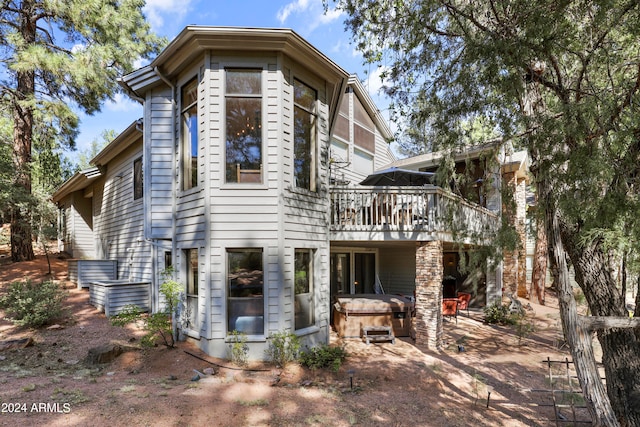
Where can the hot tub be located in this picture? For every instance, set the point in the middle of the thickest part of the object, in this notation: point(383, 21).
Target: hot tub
point(111, 296)
point(353, 312)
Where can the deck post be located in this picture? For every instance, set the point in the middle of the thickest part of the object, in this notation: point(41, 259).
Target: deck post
point(429, 274)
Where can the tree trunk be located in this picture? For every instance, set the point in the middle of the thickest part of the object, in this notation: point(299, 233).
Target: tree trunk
point(539, 274)
point(620, 346)
point(21, 235)
point(576, 333)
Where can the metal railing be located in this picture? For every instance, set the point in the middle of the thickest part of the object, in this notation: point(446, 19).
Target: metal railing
point(427, 208)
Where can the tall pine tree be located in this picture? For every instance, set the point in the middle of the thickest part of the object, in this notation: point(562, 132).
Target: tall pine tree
point(56, 55)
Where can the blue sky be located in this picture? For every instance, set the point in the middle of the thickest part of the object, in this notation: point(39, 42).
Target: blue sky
point(168, 17)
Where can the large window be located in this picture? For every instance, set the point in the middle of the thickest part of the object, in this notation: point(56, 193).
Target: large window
point(303, 284)
point(137, 179)
point(245, 298)
point(243, 101)
point(304, 136)
point(191, 260)
point(189, 106)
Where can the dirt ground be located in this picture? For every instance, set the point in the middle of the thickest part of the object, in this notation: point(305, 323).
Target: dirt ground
point(48, 383)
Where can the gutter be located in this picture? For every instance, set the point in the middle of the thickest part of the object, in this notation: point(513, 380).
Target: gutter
point(129, 91)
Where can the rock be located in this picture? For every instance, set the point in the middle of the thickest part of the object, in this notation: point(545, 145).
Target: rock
point(55, 327)
point(103, 354)
point(209, 371)
point(14, 344)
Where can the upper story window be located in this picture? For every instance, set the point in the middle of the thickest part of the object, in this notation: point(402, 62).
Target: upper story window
point(137, 179)
point(243, 102)
point(189, 109)
point(304, 143)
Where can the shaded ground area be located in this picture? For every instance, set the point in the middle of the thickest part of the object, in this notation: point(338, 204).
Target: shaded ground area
point(393, 384)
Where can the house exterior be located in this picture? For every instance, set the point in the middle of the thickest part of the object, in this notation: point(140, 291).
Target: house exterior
point(243, 176)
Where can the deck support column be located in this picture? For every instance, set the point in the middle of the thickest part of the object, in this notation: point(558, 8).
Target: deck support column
point(515, 262)
point(429, 274)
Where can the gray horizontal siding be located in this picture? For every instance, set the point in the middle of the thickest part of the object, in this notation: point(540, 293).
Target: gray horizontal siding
point(160, 167)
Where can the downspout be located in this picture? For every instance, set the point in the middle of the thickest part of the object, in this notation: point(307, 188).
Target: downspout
point(174, 106)
point(333, 117)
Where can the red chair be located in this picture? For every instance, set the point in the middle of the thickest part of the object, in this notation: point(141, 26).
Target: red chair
point(450, 308)
point(464, 299)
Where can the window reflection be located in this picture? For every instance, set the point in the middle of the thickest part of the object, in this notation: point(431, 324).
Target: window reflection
point(244, 126)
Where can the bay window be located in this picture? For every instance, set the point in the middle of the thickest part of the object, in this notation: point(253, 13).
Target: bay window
point(189, 134)
point(243, 104)
point(245, 296)
point(304, 136)
point(303, 285)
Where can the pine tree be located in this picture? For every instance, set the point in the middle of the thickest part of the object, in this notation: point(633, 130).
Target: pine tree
point(561, 79)
point(57, 55)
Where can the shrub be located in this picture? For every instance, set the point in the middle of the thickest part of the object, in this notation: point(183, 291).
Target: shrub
point(499, 313)
point(156, 324)
point(238, 348)
point(283, 348)
point(323, 356)
point(33, 304)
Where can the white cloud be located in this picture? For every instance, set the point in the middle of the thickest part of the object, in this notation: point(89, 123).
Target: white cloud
point(122, 103)
point(309, 13)
point(330, 16)
point(157, 10)
point(374, 82)
point(293, 7)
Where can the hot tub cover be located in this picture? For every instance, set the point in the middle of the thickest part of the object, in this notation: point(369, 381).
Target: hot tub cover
point(372, 303)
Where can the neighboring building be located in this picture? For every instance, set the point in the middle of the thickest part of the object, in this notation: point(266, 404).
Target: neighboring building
point(244, 177)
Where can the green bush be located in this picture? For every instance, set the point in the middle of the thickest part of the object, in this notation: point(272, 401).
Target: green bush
point(283, 348)
point(499, 313)
point(33, 304)
point(157, 325)
point(324, 356)
point(238, 348)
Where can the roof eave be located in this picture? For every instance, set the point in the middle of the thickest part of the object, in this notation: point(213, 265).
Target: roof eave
point(120, 143)
point(80, 180)
point(194, 40)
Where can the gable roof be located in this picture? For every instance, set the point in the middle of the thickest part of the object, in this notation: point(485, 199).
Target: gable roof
point(370, 106)
point(82, 179)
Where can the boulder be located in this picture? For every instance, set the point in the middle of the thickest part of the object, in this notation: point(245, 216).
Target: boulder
point(105, 353)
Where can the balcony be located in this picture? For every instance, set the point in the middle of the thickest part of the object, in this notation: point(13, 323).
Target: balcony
point(408, 213)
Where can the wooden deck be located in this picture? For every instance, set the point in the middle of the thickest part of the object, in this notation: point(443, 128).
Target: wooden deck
point(407, 213)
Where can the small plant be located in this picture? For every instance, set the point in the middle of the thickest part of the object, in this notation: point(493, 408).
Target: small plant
point(499, 313)
point(250, 403)
point(33, 304)
point(524, 327)
point(283, 348)
point(324, 356)
point(238, 348)
point(479, 384)
point(158, 324)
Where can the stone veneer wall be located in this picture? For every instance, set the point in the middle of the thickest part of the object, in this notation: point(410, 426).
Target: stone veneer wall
point(521, 218)
point(429, 273)
point(515, 262)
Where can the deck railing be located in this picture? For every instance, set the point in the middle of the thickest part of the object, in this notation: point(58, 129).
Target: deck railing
point(427, 208)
